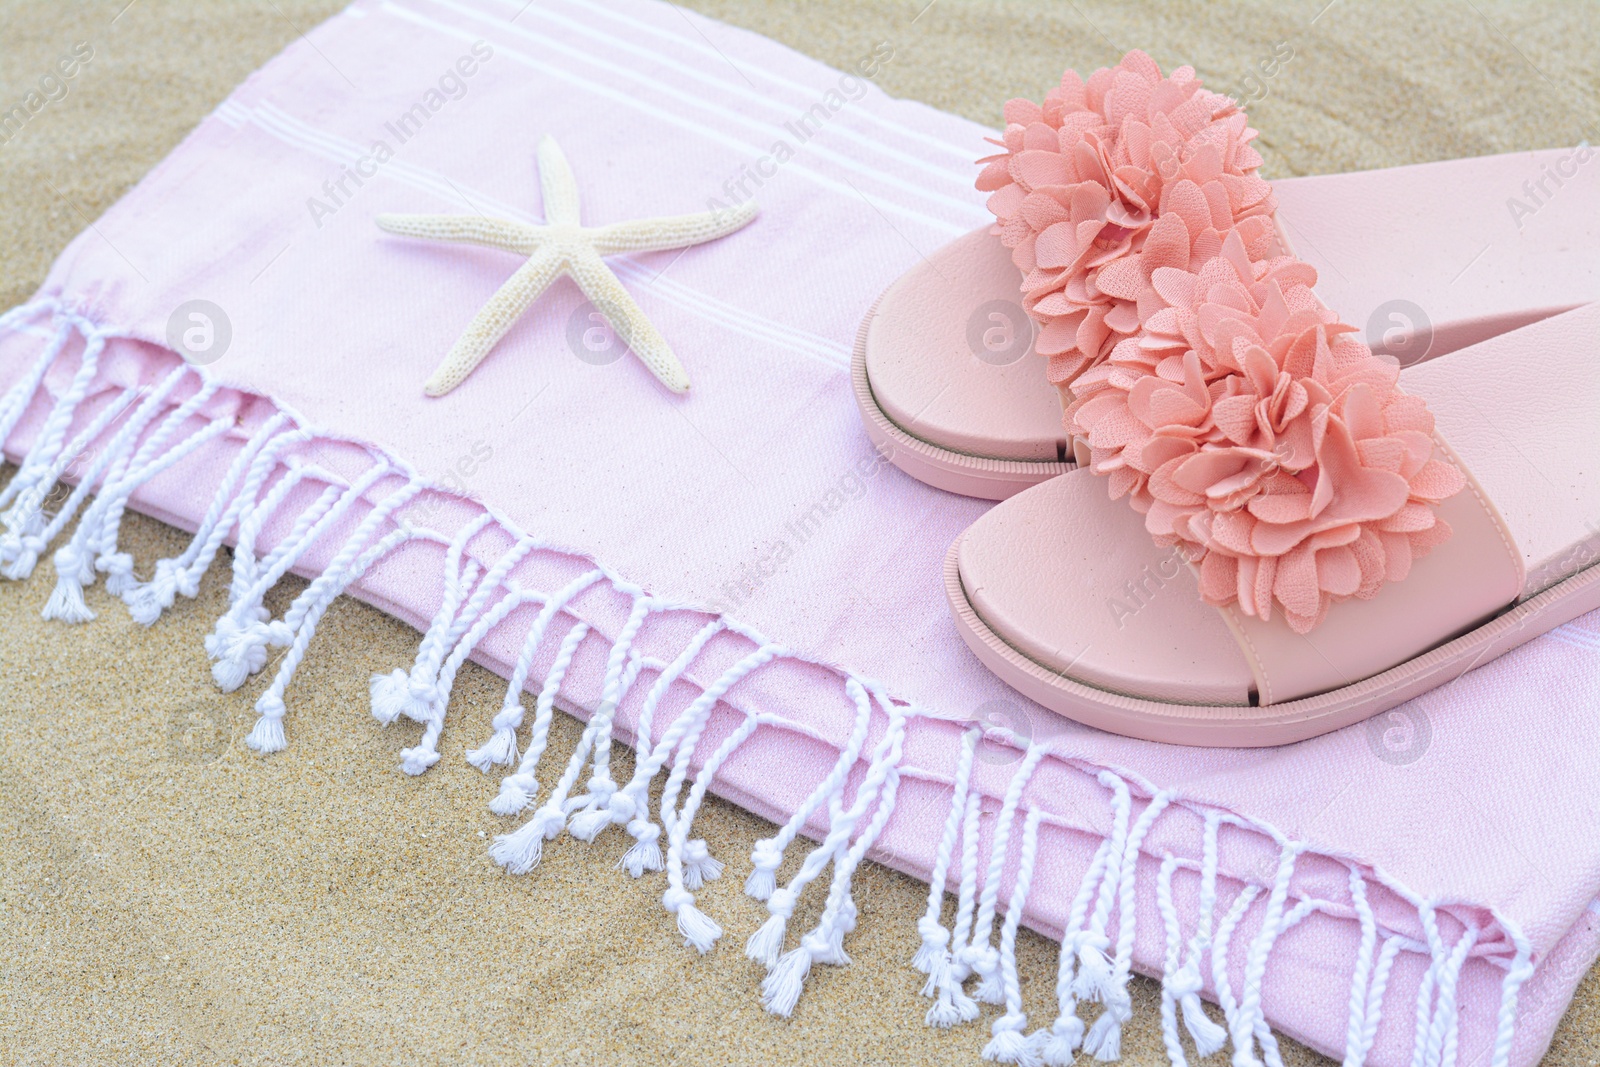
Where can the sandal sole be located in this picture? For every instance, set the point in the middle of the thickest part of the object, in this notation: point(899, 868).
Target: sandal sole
point(942, 468)
point(1214, 726)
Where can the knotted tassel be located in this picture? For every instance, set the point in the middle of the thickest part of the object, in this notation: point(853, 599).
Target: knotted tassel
point(1009, 1044)
point(766, 944)
point(766, 857)
point(518, 789)
point(389, 693)
point(516, 792)
point(645, 853)
point(841, 927)
point(73, 572)
point(1093, 981)
point(781, 989)
point(952, 1006)
point(984, 960)
point(699, 930)
point(118, 569)
point(10, 547)
point(148, 601)
point(699, 866)
point(501, 748)
point(520, 851)
point(932, 952)
point(400, 692)
point(618, 808)
point(1061, 1041)
point(1104, 1039)
point(416, 760)
point(237, 650)
point(1185, 984)
point(28, 533)
point(267, 734)
point(25, 557)
point(239, 487)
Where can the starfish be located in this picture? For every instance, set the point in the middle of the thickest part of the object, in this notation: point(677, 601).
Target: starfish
point(563, 246)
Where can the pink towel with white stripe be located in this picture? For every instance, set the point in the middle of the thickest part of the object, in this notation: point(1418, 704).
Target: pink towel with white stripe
point(731, 582)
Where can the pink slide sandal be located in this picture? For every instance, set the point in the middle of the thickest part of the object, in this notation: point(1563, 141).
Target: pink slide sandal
point(1427, 258)
point(1354, 544)
point(1063, 593)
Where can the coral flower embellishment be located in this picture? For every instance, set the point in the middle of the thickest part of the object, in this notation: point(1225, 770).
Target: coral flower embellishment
point(1108, 180)
point(1213, 389)
point(1254, 429)
point(563, 246)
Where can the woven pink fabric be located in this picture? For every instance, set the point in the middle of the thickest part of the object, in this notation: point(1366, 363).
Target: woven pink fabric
point(1457, 830)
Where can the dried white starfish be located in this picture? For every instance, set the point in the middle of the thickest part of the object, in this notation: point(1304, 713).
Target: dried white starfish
point(563, 246)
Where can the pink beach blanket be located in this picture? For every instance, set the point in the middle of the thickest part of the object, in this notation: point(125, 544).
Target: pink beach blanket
point(731, 582)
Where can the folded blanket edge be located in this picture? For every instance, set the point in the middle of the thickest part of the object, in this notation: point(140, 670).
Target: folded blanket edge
point(92, 434)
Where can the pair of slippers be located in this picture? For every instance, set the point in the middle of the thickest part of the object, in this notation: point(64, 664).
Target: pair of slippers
point(1235, 512)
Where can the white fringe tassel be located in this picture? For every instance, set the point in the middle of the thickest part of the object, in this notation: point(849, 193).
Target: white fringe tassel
point(414, 693)
point(767, 856)
point(645, 853)
point(978, 956)
point(181, 574)
point(123, 439)
point(1058, 1046)
point(501, 749)
point(780, 991)
point(933, 954)
point(425, 753)
point(1008, 1041)
point(951, 1004)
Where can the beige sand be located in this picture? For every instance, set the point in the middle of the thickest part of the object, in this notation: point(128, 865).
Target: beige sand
point(167, 896)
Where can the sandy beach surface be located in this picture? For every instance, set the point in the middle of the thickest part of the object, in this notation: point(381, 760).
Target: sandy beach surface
point(166, 896)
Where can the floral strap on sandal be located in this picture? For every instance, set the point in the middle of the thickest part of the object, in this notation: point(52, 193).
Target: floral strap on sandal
point(1211, 385)
point(1354, 543)
point(1108, 181)
point(1112, 178)
point(1253, 428)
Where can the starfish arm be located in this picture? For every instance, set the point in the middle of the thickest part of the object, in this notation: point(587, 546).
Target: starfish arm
point(677, 231)
point(627, 319)
point(559, 186)
point(509, 236)
point(496, 317)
